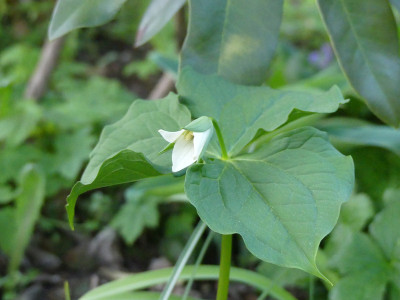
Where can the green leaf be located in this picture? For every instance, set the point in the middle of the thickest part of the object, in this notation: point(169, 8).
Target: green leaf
point(141, 207)
point(234, 39)
point(154, 19)
point(71, 151)
point(283, 276)
point(346, 132)
point(27, 211)
point(360, 286)
point(138, 131)
point(241, 110)
point(385, 229)
point(94, 101)
point(17, 126)
point(9, 226)
point(376, 170)
point(128, 150)
point(282, 199)
point(356, 212)
point(136, 214)
point(6, 194)
point(148, 296)
point(183, 259)
point(363, 262)
point(364, 36)
point(147, 279)
point(72, 14)
point(359, 255)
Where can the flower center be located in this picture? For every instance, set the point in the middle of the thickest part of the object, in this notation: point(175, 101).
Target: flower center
point(188, 135)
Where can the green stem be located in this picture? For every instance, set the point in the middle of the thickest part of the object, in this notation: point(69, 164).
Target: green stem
point(220, 139)
point(311, 287)
point(224, 267)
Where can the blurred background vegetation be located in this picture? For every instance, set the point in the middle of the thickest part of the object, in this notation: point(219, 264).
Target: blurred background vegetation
point(45, 143)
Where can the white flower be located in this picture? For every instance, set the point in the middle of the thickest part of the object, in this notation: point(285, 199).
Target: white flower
point(189, 146)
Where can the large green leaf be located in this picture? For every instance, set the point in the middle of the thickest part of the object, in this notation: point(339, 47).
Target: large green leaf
point(282, 199)
point(242, 110)
point(354, 132)
point(364, 36)
point(128, 150)
point(232, 38)
point(72, 14)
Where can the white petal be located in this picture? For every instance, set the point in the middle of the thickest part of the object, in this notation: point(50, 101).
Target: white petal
point(200, 140)
point(182, 154)
point(171, 136)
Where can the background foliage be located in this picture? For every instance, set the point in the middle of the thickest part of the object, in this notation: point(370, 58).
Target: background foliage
point(45, 144)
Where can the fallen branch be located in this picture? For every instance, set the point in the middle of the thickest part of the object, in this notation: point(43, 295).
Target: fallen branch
point(38, 83)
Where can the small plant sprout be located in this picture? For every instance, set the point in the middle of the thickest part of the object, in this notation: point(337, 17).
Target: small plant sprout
point(188, 143)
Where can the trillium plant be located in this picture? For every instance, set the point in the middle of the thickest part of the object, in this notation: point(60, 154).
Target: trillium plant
point(254, 164)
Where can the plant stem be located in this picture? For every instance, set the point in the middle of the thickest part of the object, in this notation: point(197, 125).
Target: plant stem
point(220, 139)
point(311, 287)
point(224, 267)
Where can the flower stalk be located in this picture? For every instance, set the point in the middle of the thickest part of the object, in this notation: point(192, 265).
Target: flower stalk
point(220, 139)
point(224, 267)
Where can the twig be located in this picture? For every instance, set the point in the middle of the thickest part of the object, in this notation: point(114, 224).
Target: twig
point(163, 86)
point(38, 83)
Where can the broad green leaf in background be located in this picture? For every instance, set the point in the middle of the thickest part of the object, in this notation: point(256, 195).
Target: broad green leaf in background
point(364, 35)
point(356, 212)
point(18, 125)
point(87, 102)
point(362, 258)
point(72, 14)
point(282, 199)
point(71, 151)
point(376, 170)
point(354, 132)
point(362, 262)
point(7, 220)
point(18, 62)
point(141, 207)
point(27, 209)
point(385, 229)
point(354, 215)
point(12, 160)
point(128, 150)
point(154, 19)
point(232, 38)
point(135, 215)
point(242, 110)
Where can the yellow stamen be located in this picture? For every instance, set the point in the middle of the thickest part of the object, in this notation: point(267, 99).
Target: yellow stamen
point(188, 135)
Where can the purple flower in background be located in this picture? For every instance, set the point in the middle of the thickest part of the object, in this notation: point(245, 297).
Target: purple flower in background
point(322, 57)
